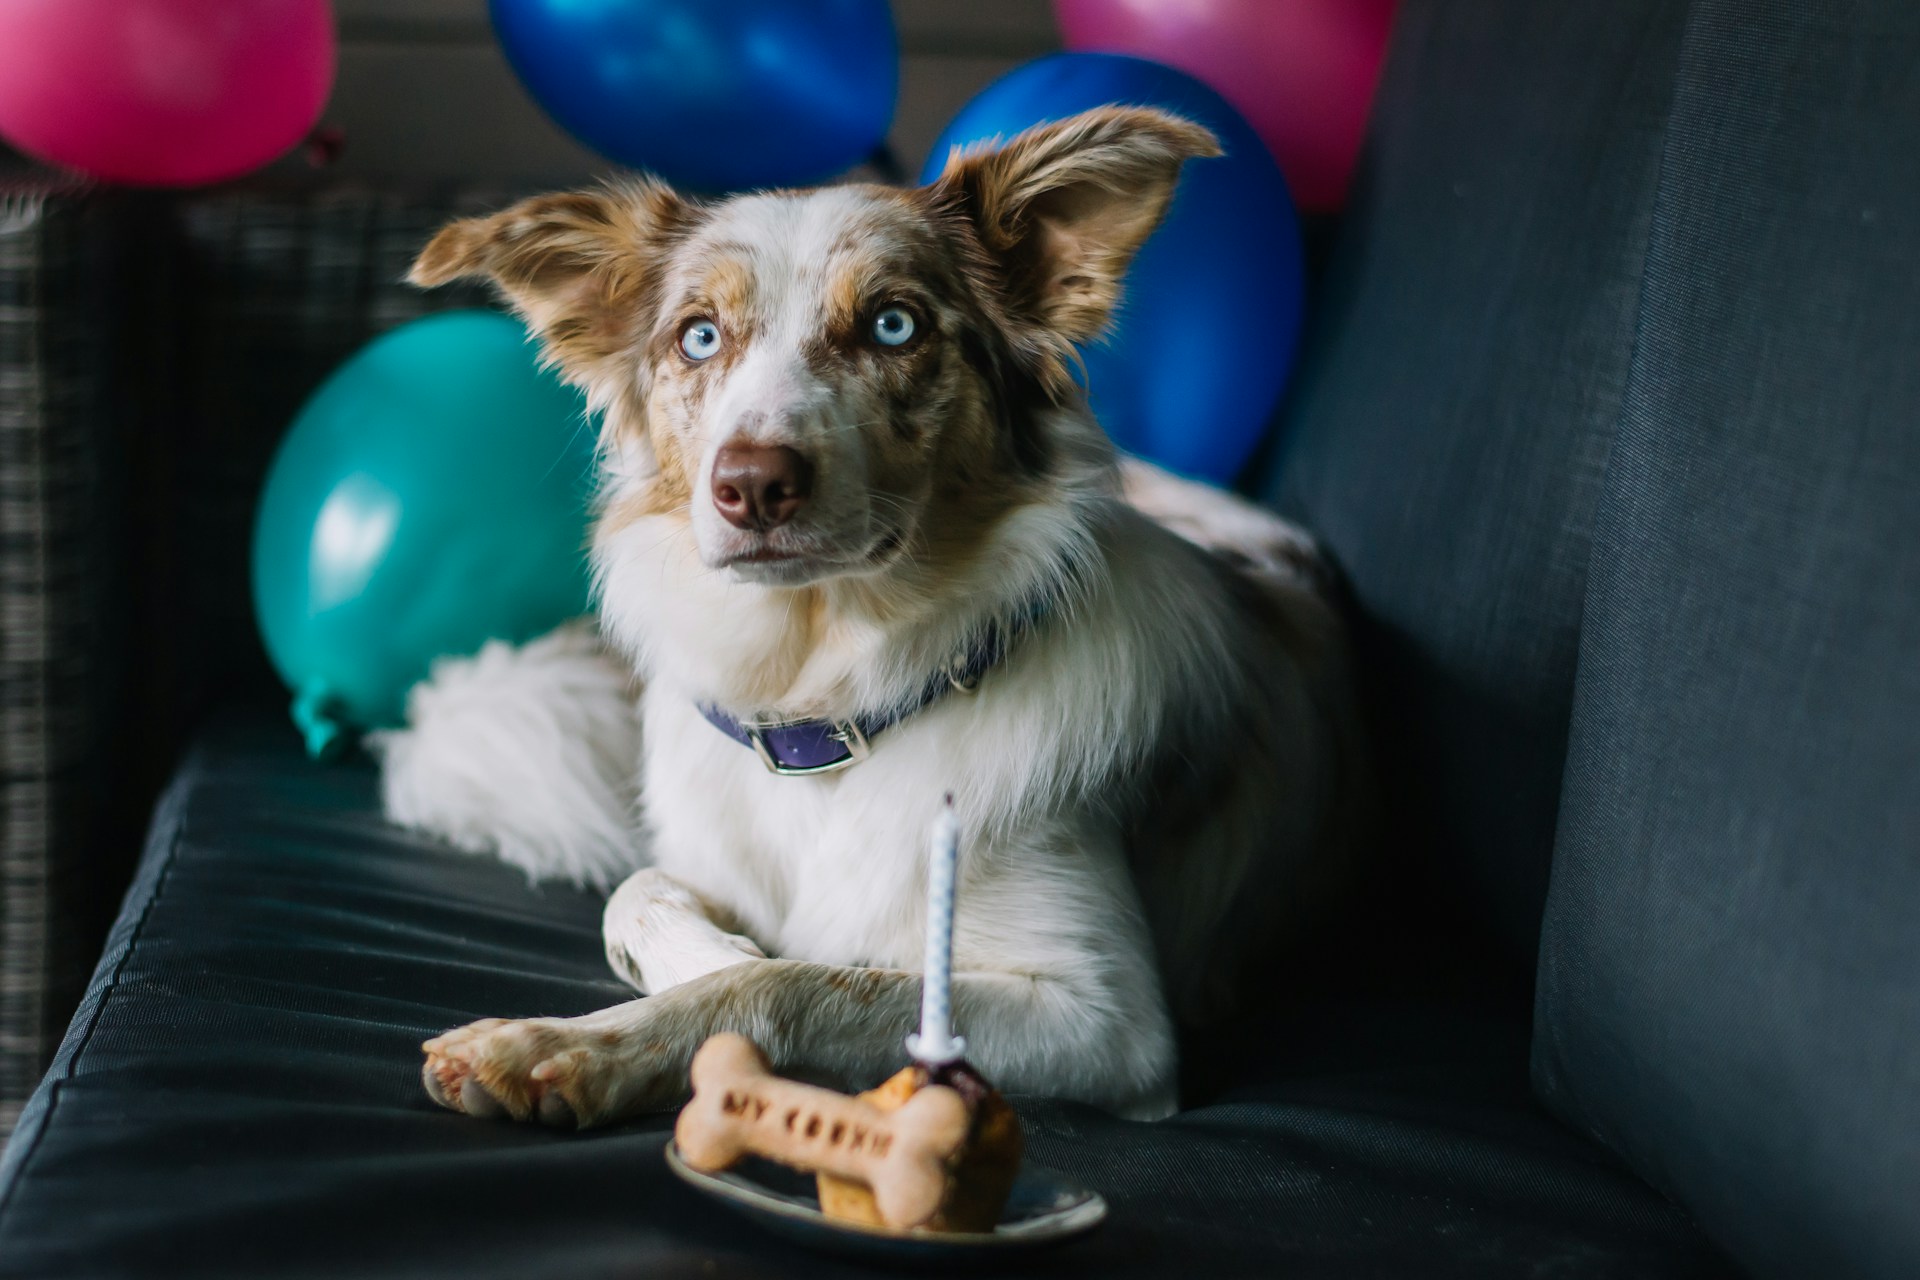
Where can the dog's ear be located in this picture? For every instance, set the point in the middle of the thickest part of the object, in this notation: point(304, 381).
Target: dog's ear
point(579, 267)
point(1063, 207)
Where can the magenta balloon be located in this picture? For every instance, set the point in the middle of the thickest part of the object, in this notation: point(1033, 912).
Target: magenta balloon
point(1302, 72)
point(163, 92)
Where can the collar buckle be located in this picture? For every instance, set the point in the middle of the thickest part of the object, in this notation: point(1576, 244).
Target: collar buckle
point(845, 732)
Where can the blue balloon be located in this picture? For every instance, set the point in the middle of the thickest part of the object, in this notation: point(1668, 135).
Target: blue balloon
point(432, 495)
point(1195, 363)
point(718, 95)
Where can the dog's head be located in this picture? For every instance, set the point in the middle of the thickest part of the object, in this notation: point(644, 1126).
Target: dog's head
point(820, 382)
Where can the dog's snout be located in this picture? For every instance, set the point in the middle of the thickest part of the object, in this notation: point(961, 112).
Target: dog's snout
point(760, 486)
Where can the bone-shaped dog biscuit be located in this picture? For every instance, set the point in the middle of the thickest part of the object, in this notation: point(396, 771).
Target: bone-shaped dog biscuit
point(741, 1108)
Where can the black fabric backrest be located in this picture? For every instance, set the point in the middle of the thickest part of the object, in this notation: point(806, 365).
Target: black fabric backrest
point(1730, 975)
point(1451, 416)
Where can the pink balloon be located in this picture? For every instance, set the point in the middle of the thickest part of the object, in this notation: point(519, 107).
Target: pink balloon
point(163, 92)
point(1302, 72)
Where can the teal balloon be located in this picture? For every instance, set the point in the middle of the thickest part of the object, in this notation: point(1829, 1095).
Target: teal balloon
point(432, 495)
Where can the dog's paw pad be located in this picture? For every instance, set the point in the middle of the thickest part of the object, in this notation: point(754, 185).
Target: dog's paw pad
point(537, 1069)
point(556, 1112)
point(430, 1077)
point(448, 1078)
point(477, 1102)
point(567, 1062)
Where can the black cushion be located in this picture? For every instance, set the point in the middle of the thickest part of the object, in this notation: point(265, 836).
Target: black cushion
point(239, 1095)
point(1450, 418)
point(1730, 977)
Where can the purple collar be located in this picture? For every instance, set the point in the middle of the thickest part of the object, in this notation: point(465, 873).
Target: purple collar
point(795, 748)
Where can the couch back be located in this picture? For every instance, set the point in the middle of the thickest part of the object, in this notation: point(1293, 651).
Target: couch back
point(1612, 416)
point(1450, 420)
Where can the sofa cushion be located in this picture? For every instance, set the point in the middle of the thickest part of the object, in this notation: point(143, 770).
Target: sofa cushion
point(1450, 416)
point(239, 1095)
point(1730, 973)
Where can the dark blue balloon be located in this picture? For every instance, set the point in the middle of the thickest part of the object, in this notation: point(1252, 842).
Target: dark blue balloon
point(1195, 364)
point(712, 94)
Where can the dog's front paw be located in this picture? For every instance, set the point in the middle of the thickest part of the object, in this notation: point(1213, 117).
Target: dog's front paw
point(564, 1072)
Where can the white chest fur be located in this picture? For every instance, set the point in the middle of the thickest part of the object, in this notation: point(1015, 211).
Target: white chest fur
point(817, 868)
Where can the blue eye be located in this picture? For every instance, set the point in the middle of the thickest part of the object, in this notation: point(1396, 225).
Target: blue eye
point(701, 339)
point(892, 327)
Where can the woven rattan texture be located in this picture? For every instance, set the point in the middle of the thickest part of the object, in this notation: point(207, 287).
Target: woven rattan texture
point(153, 349)
point(60, 479)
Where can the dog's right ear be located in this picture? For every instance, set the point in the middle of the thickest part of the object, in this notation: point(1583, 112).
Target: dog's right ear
point(578, 267)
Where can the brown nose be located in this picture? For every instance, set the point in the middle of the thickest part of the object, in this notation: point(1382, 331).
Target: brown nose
point(760, 486)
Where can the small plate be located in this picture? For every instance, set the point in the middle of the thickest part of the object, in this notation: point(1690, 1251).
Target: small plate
point(1044, 1209)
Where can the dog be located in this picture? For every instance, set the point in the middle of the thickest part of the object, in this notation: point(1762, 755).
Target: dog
point(860, 545)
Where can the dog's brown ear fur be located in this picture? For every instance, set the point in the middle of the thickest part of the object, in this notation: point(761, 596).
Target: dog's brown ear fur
point(1063, 207)
point(578, 266)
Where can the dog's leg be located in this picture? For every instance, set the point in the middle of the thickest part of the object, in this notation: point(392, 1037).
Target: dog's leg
point(1248, 535)
point(659, 934)
point(1055, 990)
point(831, 1022)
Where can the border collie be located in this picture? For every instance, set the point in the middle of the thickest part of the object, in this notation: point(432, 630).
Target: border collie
point(860, 545)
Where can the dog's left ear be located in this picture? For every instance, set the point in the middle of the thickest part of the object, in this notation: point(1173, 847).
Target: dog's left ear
point(1063, 207)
